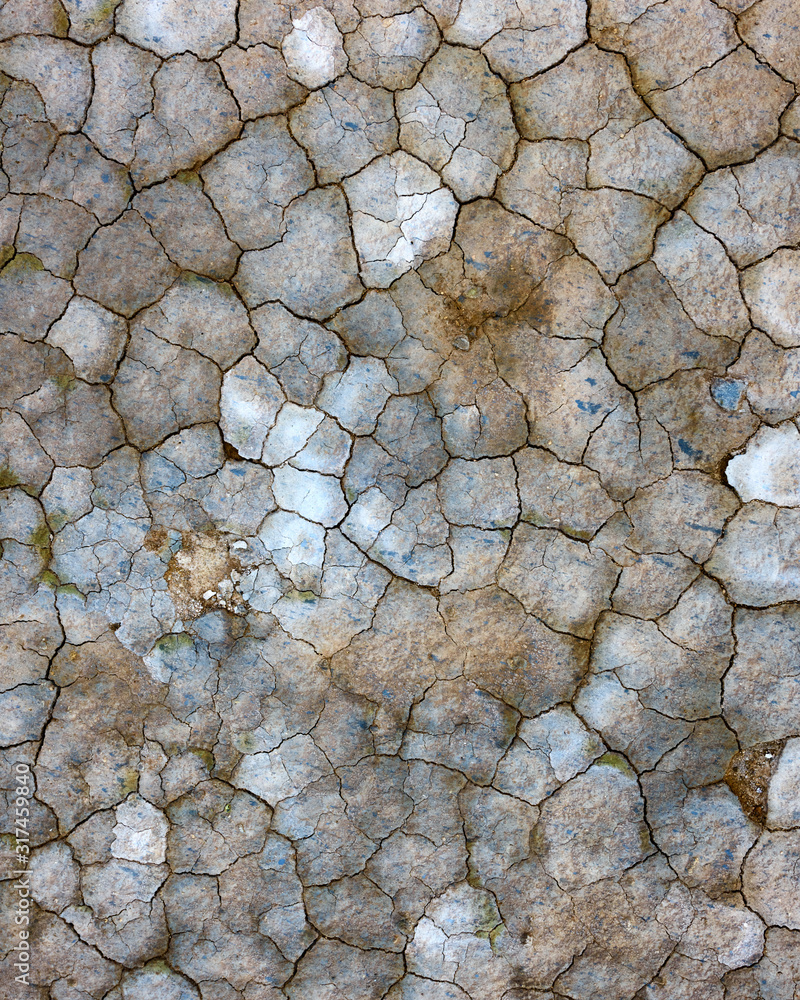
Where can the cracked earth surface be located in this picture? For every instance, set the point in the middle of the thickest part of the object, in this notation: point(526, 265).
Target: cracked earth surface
point(400, 510)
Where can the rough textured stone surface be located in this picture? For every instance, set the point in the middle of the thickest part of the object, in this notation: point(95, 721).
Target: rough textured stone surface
point(402, 215)
point(702, 277)
point(252, 181)
point(59, 69)
point(749, 215)
point(650, 336)
point(344, 126)
point(193, 115)
point(589, 90)
point(258, 79)
point(772, 292)
point(142, 271)
point(391, 51)
point(756, 557)
point(518, 41)
point(458, 120)
point(313, 48)
point(766, 637)
point(77, 172)
point(747, 98)
point(313, 286)
point(169, 27)
point(185, 224)
point(614, 229)
point(769, 469)
point(92, 337)
point(400, 499)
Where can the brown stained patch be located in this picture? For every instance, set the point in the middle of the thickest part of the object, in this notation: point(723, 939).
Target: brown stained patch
point(203, 575)
point(495, 262)
point(749, 774)
point(513, 657)
point(156, 539)
point(540, 308)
